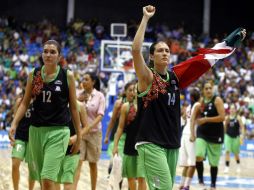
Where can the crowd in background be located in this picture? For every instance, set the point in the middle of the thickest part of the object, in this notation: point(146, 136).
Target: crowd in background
point(20, 45)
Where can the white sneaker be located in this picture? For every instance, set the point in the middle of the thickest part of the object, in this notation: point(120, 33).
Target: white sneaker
point(201, 186)
point(226, 170)
point(238, 169)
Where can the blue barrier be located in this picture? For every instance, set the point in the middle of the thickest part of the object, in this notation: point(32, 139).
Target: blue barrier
point(4, 139)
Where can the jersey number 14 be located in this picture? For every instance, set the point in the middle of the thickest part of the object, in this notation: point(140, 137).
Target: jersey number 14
point(171, 99)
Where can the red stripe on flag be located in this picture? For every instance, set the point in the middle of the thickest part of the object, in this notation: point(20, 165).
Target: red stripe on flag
point(190, 70)
point(209, 51)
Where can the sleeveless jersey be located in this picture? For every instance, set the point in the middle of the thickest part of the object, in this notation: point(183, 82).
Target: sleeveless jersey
point(22, 131)
point(159, 113)
point(211, 132)
point(233, 127)
point(50, 106)
point(131, 130)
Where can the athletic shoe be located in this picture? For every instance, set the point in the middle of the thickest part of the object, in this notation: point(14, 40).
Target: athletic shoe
point(226, 170)
point(186, 188)
point(238, 169)
point(201, 186)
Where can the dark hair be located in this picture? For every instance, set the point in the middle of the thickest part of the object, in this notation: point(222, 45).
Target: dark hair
point(127, 85)
point(205, 82)
point(54, 42)
point(96, 80)
point(151, 52)
point(194, 95)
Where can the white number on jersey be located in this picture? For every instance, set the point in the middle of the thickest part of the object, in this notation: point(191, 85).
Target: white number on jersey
point(171, 99)
point(28, 113)
point(46, 96)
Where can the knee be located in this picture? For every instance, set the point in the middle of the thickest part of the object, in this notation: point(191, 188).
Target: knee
point(48, 184)
point(68, 186)
point(141, 180)
point(199, 159)
point(93, 165)
point(15, 164)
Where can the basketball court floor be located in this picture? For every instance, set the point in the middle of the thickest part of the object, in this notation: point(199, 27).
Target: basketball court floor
point(231, 181)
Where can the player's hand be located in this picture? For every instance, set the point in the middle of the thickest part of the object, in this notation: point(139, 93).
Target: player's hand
point(192, 138)
point(115, 150)
point(148, 11)
point(72, 139)
point(106, 140)
point(243, 34)
point(241, 139)
point(75, 147)
point(11, 133)
point(85, 131)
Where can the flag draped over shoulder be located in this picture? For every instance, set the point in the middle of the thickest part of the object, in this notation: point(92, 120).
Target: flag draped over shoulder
point(191, 69)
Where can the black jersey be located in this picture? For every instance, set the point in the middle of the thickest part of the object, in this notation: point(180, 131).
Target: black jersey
point(51, 105)
point(22, 131)
point(211, 132)
point(131, 130)
point(159, 113)
point(233, 127)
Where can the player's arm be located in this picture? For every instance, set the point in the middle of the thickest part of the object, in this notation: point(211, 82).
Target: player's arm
point(144, 74)
point(22, 108)
point(242, 127)
point(74, 111)
point(120, 127)
point(113, 119)
point(194, 115)
point(216, 119)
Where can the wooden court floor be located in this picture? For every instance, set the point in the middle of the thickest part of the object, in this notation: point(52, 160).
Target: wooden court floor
point(232, 181)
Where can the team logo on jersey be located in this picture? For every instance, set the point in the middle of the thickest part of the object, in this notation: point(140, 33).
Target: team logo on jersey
point(19, 148)
point(58, 89)
point(58, 82)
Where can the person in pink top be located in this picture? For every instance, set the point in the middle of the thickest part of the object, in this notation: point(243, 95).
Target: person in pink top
point(90, 148)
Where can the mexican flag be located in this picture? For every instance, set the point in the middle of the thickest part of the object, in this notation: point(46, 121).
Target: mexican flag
point(191, 69)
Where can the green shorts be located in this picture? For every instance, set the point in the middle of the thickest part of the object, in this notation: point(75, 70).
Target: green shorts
point(232, 144)
point(132, 167)
point(159, 165)
point(212, 150)
point(19, 150)
point(68, 169)
point(47, 148)
point(120, 146)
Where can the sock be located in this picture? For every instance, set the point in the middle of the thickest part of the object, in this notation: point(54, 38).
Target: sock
point(182, 181)
point(200, 171)
point(227, 163)
point(214, 172)
point(187, 182)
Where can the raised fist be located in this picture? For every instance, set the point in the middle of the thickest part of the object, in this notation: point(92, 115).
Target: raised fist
point(148, 11)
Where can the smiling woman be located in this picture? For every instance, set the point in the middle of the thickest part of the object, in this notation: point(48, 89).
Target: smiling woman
point(52, 89)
